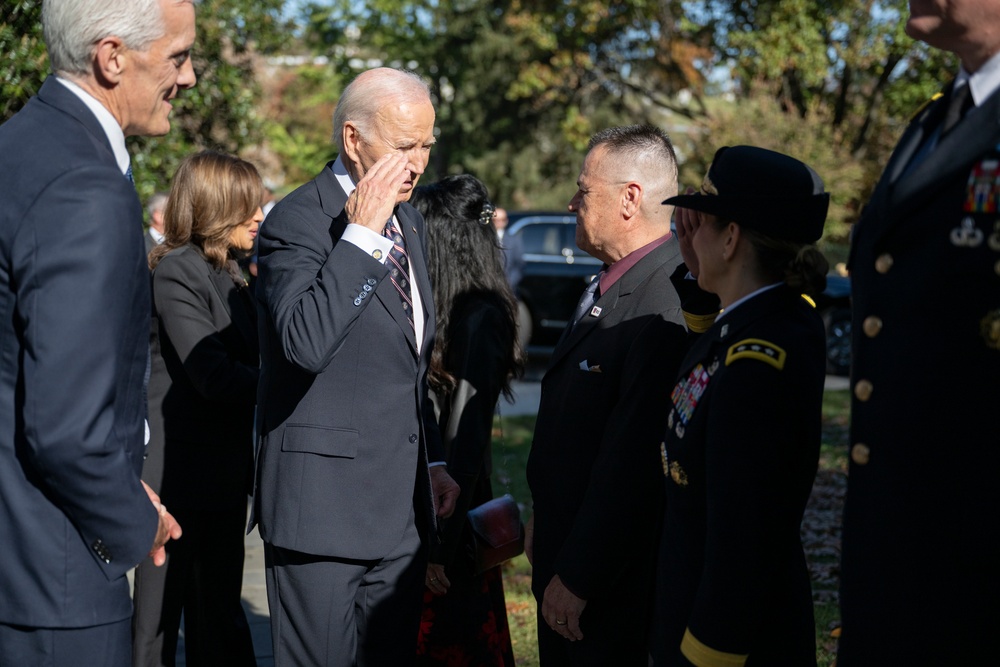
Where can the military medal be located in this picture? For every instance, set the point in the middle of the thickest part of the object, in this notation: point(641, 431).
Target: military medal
point(686, 395)
point(983, 190)
point(967, 235)
point(989, 327)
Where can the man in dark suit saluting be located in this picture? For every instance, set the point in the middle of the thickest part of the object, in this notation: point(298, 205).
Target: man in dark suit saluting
point(594, 467)
point(74, 337)
point(919, 582)
point(345, 496)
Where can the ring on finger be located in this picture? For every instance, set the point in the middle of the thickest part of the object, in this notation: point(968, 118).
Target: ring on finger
point(560, 622)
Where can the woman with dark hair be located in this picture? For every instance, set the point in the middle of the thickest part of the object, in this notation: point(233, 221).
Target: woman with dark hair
point(475, 357)
point(743, 437)
point(202, 392)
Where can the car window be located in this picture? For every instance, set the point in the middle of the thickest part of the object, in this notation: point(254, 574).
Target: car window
point(542, 239)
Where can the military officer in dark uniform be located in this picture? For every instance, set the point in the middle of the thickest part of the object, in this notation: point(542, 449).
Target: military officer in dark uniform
point(920, 581)
point(743, 437)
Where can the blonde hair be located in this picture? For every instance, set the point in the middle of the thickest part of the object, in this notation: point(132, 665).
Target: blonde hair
point(212, 193)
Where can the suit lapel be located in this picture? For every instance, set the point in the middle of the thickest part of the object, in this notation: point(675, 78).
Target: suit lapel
point(59, 96)
point(955, 153)
point(239, 314)
point(917, 131)
point(332, 200)
point(610, 303)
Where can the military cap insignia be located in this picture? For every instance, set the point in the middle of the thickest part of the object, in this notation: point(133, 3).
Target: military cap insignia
point(990, 329)
point(707, 186)
point(755, 348)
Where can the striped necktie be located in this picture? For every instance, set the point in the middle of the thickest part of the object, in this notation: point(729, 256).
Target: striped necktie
point(399, 268)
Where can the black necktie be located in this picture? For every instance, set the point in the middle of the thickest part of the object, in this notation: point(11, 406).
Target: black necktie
point(961, 101)
point(399, 268)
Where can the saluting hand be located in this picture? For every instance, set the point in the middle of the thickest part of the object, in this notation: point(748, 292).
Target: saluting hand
point(686, 223)
point(374, 198)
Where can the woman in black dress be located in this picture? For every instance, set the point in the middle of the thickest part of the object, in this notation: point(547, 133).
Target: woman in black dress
point(202, 392)
point(475, 357)
point(743, 437)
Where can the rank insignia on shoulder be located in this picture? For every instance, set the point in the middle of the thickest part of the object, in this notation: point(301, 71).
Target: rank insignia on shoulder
point(755, 348)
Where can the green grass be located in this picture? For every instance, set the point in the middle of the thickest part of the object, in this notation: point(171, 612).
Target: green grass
point(512, 442)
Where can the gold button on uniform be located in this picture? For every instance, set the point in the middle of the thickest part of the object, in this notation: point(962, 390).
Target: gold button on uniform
point(860, 454)
point(872, 326)
point(863, 390)
point(883, 263)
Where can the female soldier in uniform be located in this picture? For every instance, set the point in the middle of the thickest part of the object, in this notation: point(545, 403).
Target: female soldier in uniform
point(743, 434)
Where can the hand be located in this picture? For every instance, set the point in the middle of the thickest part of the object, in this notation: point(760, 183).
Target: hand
point(445, 491)
point(561, 609)
point(374, 198)
point(168, 528)
point(686, 222)
point(436, 579)
point(529, 540)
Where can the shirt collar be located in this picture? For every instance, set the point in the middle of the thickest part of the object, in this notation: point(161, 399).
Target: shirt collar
point(343, 178)
point(746, 298)
point(984, 82)
point(111, 127)
point(618, 269)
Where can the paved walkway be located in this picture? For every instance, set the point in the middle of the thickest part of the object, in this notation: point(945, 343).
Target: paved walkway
point(254, 593)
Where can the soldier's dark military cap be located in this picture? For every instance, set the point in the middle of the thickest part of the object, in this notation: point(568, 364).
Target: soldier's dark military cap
point(770, 192)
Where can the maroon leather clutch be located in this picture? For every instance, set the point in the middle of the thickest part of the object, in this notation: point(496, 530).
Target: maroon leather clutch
point(497, 532)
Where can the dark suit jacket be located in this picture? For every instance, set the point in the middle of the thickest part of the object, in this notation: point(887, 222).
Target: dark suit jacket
point(594, 462)
point(922, 499)
point(479, 345)
point(74, 338)
point(345, 422)
point(203, 385)
point(739, 458)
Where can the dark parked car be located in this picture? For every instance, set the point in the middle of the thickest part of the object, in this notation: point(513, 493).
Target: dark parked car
point(554, 272)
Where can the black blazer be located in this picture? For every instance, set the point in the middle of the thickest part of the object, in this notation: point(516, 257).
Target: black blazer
point(922, 496)
point(74, 338)
point(594, 462)
point(345, 423)
point(739, 458)
point(478, 358)
point(203, 384)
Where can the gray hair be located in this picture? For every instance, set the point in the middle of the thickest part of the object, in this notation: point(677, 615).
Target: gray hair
point(72, 28)
point(157, 202)
point(642, 153)
point(369, 93)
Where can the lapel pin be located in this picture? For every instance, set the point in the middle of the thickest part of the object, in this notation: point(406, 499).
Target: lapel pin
point(595, 311)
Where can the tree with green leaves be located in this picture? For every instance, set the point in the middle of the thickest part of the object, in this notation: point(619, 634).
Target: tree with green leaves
point(219, 113)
